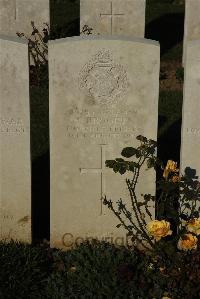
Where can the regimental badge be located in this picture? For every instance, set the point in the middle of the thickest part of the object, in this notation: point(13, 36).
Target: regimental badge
point(102, 79)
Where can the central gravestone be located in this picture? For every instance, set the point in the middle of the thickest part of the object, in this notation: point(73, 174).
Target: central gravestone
point(15, 162)
point(103, 93)
point(16, 16)
point(113, 17)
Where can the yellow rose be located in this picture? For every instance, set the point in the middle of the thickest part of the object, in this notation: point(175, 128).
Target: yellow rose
point(193, 226)
point(187, 242)
point(166, 297)
point(170, 167)
point(159, 229)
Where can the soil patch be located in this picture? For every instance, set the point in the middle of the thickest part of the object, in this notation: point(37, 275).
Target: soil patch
point(170, 75)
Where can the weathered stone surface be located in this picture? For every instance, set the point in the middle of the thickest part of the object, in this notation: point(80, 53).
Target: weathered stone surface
point(16, 15)
point(15, 170)
point(190, 139)
point(192, 23)
point(116, 17)
point(103, 93)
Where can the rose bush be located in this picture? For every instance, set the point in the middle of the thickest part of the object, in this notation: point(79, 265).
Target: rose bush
point(172, 238)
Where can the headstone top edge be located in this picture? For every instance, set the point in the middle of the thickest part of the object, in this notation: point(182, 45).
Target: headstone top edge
point(108, 38)
point(144, 1)
point(13, 39)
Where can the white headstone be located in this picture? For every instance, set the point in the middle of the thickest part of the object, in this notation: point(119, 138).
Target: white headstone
point(192, 23)
point(15, 168)
point(114, 17)
point(190, 140)
point(103, 93)
point(16, 15)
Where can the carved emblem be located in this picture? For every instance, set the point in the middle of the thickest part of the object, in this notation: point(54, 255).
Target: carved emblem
point(102, 79)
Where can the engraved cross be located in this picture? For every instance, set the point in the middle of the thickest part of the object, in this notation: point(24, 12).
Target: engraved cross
point(111, 15)
point(100, 171)
point(15, 9)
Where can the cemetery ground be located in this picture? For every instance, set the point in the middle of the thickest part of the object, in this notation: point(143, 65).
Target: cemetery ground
point(100, 270)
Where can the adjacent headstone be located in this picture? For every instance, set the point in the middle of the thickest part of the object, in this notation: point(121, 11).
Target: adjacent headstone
point(15, 168)
point(113, 17)
point(192, 23)
point(190, 140)
point(103, 93)
point(16, 15)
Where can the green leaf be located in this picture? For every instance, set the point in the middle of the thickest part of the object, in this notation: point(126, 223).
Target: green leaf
point(116, 167)
point(133, 165)
point(119, 160)
point(150, 163)
point(128, 152)
point(110, 163)
point(122, 168)
point(141, 138)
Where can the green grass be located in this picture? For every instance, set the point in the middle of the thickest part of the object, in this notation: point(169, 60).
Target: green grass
point(175, 53)
point(165, 23)
point(170, 109)
point(157, 8)
point(98, 270)
point(23, 271)
point(89, 271)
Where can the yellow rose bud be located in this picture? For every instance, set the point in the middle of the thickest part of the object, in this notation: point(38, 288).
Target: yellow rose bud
point(162, 269)
point(187, 242)
point(170, 167)
point(159, 229)
point(175, 179)
point(72, 269)
point(193, 226)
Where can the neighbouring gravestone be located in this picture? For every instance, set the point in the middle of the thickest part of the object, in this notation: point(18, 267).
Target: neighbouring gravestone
point(192, 23)
point(15, 168)
point(116, 17)
point(190, 140)
point(16, 15)
point(103, 93)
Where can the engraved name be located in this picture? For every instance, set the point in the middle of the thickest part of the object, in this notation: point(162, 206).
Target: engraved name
point(11, 125)
point(82, 123)
point(193, 131)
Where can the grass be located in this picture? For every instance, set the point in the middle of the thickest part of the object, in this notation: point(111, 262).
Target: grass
point(165, 23)
point(96, 270)
point(170, 110)
point(169, 125)
point(158, 8)
point(89, 271)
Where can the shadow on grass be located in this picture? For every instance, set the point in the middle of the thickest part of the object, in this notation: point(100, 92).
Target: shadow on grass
point(168, 30)
point(169, 143)
point(41, 198)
